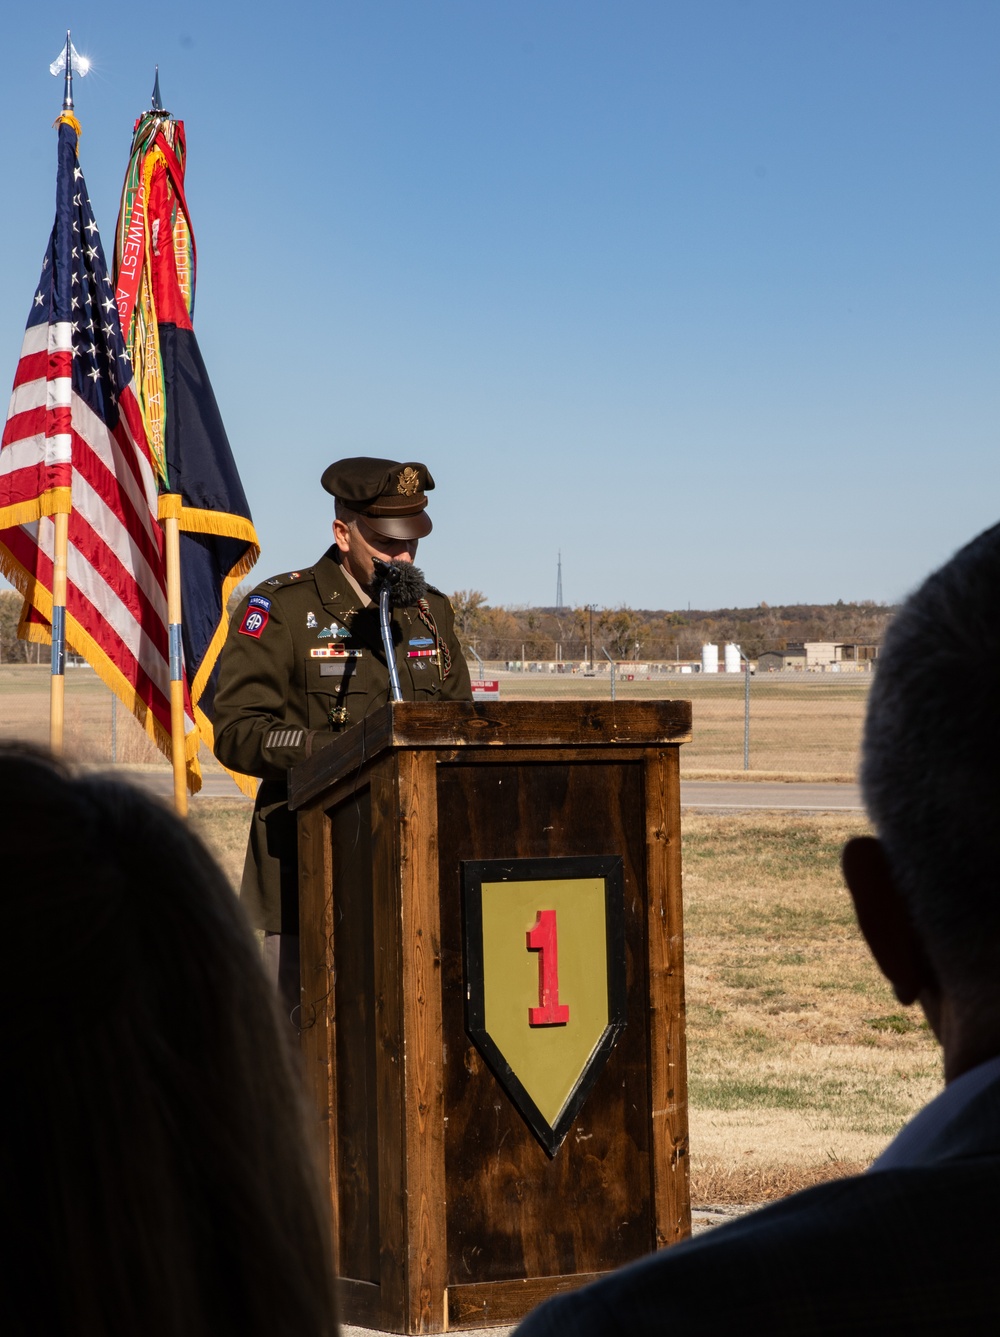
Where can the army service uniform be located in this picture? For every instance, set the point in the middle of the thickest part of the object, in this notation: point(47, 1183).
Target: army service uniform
point(287, 688)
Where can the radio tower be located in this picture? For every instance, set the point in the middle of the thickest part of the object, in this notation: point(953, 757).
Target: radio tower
point(559, 602)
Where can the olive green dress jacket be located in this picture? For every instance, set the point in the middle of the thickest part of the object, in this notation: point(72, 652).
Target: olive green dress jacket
point(303, 662)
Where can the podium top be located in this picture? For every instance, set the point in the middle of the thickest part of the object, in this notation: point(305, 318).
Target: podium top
point(491, 724)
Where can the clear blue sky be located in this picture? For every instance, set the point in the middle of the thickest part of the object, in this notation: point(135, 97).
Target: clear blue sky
point(704, 295)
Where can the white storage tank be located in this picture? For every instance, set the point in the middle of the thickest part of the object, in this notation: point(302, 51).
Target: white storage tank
point(732, 658)
point(709, 659)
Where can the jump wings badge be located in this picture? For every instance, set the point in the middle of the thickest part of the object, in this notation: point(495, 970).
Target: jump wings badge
point(545, 979)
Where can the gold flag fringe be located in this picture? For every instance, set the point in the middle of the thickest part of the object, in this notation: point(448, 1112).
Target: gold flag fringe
point(54, 502)
point(39, 598)
point(223, 524)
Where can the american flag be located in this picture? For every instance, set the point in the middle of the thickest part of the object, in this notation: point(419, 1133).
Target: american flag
point(74, 440)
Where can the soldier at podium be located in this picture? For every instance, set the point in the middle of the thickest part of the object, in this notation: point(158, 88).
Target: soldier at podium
point(304, 661)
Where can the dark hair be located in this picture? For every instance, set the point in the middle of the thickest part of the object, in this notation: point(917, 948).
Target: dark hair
point(931, 763)
point(156, 1164)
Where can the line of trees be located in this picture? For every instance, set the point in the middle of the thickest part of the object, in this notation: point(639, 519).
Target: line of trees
point(643, 634)
point(13, 651)
point(502, 633)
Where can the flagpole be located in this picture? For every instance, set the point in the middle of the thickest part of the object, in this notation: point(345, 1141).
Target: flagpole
point(57, 696)
point(171, 530)
point(60, 547)
point(172, 535)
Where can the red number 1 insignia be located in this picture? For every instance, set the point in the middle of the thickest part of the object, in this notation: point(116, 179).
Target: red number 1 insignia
point(543, 939)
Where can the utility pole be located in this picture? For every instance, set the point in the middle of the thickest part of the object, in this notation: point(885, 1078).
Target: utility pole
point(559, 602)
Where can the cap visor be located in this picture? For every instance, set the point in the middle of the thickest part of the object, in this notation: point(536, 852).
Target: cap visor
point(400, 526)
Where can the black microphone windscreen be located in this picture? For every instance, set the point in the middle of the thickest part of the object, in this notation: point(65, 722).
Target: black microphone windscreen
point(405, 581)
point(410, 587)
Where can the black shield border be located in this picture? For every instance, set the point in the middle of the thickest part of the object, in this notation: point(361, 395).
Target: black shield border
point(474, 873)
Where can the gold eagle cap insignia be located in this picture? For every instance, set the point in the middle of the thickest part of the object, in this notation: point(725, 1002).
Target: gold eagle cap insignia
point(409, 481)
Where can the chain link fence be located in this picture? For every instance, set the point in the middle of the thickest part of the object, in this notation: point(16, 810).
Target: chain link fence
point(802, 724)
point(773, 724)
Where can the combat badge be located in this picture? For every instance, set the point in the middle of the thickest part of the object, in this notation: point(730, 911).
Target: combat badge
point(541, 935)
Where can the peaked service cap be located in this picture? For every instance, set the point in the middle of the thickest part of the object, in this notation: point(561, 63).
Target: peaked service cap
point(389, 494)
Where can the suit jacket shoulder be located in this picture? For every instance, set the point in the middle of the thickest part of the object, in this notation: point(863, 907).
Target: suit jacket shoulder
point(899, 1251)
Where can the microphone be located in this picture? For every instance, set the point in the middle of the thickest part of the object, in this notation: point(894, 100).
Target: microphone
point(405, 582)
point(395, 585)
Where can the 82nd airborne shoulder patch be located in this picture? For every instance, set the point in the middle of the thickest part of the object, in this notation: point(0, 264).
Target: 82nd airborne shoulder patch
point(256, 617)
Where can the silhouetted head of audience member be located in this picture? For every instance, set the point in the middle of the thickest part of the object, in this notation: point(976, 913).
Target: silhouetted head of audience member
point(927, 891)
point(156, 1162)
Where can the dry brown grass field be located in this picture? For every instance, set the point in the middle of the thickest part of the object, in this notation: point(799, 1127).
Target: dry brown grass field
point(800, 725)
point(802, 1065)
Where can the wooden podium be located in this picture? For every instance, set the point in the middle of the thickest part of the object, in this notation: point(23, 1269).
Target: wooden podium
point(450, 1208)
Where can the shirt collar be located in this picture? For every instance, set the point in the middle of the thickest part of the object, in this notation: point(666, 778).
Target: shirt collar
point(326, 571)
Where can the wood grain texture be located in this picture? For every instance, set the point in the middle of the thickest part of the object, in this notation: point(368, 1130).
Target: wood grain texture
point(389, 1039)
point(317, 1018)
point(423, 1079)
point(357, 1114)
point(490, 724)
point(491, 1303)
point(513, 1212)
point(667, 1053)
point(360, 1303)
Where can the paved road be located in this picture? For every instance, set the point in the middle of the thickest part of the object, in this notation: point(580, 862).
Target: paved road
point(721, 796)
point(711, 795)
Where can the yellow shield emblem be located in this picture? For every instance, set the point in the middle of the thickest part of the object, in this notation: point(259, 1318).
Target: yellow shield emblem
point(545, 979)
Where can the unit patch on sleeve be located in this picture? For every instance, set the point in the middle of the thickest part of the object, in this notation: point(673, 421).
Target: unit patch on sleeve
point(256, 617)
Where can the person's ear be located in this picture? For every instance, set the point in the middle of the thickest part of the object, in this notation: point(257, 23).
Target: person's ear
point(342, 535)
point(885, 921)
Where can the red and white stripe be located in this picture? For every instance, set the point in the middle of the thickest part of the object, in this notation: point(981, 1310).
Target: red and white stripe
point(116, 604)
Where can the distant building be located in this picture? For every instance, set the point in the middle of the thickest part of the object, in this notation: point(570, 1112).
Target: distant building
point(777, 661)
point(819, 657)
